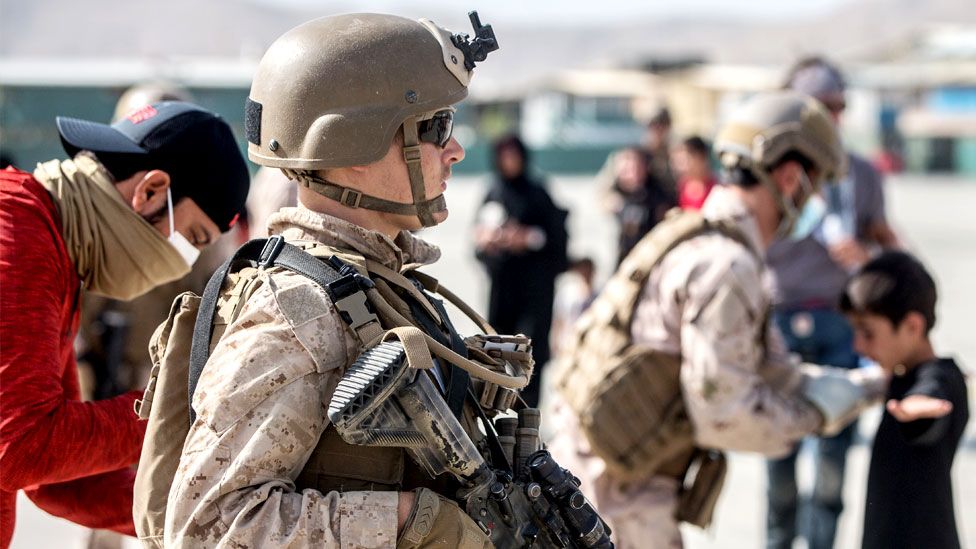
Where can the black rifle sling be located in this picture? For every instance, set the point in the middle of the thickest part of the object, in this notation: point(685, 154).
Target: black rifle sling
point(498, 458)
point(266, 253)
point(456, 380)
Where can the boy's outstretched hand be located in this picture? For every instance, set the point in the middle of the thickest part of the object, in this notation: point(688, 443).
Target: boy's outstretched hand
point(915, 407)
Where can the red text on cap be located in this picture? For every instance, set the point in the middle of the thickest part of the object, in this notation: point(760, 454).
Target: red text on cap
point(142, 114)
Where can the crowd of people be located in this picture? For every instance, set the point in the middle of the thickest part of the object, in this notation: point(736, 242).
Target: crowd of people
point(760, 298)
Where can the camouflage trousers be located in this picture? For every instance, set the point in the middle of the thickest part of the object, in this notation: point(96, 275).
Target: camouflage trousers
point(641, 514)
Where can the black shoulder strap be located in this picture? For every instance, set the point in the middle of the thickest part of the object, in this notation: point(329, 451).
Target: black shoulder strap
point(265, 253)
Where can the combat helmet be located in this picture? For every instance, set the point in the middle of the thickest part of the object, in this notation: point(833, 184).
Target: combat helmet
point(333, 92)
point(770, 126)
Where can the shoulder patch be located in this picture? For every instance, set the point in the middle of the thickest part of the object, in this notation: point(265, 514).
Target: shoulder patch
point(313, 319)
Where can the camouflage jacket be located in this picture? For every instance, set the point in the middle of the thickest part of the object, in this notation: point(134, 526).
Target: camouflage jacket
point(708, 301)
point(261, 405)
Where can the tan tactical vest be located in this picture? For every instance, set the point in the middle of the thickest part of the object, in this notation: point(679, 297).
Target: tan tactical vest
point(334, 464)
point(627, 397)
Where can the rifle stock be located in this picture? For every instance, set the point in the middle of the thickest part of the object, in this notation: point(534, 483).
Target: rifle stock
point(382, 401)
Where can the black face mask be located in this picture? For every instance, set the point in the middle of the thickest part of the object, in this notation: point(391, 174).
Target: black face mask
point(437, 129)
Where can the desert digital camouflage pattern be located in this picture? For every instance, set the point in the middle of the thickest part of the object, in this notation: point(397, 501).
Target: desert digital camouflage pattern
point(262, 403)
point(707, 301)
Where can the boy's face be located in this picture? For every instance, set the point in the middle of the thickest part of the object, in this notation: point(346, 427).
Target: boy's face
point(878, 339)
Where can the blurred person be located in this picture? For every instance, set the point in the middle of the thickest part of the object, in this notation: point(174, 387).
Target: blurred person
point(675, 360)
point(130, 210)
point(692, 166)
point(637, 199)
point(575, 290)
point(891, 303)
point(846, 224)
point(140, 95)
point(521, 239)
point(657, 145)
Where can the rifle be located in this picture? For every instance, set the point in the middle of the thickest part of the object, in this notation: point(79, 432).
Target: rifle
point(521, 498)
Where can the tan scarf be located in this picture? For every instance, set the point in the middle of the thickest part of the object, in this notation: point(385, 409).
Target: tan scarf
point(115, 251)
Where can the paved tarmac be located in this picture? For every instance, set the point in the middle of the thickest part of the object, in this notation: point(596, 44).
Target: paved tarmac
point(934, 216)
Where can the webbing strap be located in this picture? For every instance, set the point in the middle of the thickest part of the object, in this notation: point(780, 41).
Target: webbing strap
point(268, 252)
point(412, 156)
point(652, 249)
point(403, 283)
point(431, 284)
point(458, 379)
point(355, 199)
point(203, 327)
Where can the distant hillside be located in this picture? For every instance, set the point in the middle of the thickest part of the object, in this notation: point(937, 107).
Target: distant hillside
point(859, 31)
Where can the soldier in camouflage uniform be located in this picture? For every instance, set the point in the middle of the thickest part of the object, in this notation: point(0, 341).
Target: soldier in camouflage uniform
point(357, 110)
point(706, 304)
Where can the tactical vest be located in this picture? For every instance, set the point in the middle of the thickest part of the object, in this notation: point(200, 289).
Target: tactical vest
point(334, 465)
point(626, 396)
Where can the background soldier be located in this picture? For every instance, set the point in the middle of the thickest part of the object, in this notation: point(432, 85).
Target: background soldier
point(693, 320)
point(357, 109)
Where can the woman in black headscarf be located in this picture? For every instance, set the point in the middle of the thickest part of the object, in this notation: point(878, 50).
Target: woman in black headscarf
point(521, 238)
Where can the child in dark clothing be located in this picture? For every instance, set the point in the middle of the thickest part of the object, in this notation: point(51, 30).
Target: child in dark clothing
point(891, 304)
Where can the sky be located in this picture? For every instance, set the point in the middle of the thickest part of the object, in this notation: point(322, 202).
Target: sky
point(573, 12)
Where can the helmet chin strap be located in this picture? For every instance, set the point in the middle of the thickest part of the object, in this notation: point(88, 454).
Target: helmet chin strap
point(789, 209)
point(411, 154)
point(422, 208)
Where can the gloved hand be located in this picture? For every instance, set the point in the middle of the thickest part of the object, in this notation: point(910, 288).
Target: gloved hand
point(840, 394)
point(438, 522)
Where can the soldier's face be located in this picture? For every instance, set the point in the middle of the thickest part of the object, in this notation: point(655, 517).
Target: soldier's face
point(393, 180)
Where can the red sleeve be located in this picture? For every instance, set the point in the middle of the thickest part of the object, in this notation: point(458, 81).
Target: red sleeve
point(101, 501)
point(46, 434)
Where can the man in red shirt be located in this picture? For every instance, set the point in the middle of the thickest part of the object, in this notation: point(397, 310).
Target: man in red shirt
point(129, 211)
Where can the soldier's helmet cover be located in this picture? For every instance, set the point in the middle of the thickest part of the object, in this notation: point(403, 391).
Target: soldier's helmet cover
point(333, 92)
point(768, 126)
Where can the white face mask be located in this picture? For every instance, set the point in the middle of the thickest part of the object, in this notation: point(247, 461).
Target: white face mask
point(809, 219)
point(188, 251)
point(800, 221)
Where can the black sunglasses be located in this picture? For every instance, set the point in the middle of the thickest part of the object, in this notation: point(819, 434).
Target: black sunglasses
point(437, 129)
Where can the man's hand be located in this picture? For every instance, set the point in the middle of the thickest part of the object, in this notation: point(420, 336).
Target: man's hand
point(915, 407)
point(849, 253)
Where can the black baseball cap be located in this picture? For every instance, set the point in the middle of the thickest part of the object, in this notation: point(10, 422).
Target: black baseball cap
point(195, 146)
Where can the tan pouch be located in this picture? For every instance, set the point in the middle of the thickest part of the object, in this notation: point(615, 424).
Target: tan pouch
point(165, 406)
point(634, 415)
point(697, 500)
